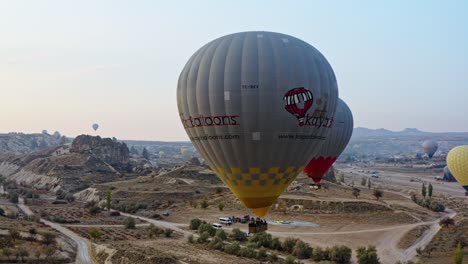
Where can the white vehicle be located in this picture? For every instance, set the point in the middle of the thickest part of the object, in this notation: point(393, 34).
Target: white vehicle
point(225, 220)
point(217, 226)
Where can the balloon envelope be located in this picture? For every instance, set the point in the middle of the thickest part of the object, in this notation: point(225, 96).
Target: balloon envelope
point(457, 162)
point(257, 106)
point(336, 142)
point(430, 147)
point(448, 176)
point(95, 127)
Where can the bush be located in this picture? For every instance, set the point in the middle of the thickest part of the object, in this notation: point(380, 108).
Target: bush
point(13, 197)
point(203, 238)
point(340, 254)
point(273, 257)
point(261, 254)
point(248, 252)
point(94, 210)
point(168, 232)
point(221, 234)
point(221, 206)
point(129, 223)
point(317, 254)
point(261, 239)
point(190, 239)
point(290, 260)
point(114, 213)
point(195, 224)
point(367, 255)
point(446, 221)
point(94, 233)
point(205, 227)
point(204, 204)
point(216, 243)
point(233, 249)
point(276, 244)
point(302, 250)
point(238, 235)
point(288, 244)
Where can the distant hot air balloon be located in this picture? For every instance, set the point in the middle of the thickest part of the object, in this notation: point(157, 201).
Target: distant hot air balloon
point(95, 127)
point(430, 147)
point(448, 176)
point(457, 162)
point(257, 106)
point(336, 142)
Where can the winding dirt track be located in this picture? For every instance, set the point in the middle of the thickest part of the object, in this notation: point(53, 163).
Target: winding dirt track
point(82, 254)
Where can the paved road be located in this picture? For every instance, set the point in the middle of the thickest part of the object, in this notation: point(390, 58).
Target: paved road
point(82, 254)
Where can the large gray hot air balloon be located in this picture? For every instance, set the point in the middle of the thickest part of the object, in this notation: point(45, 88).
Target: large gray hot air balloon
point(336, 142)
point(430, 147)
point(257, 106)
point(95, 127)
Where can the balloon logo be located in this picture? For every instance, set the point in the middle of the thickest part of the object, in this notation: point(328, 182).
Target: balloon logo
point(297, 102)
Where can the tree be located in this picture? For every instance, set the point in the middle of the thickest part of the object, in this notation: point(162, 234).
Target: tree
point(367, 255)
point(289, 243)
point(129, 223)
point(34, 144)
point(32, 232)
point(94, 233)
point(205, 227)
point(22, 253)
point(302, 250)
point(145, 154)
point(363, 182)
point(356, 192)
point(340, 254)
point(221, 206)
point(204, 204)
point(108, 200)
point(49, 238)
point(446, 222)
point(238, 235)
point(7, 252)
point(14, 234)
point(37, 255)
point(168, 232)
point(429, 190)
point(378, 194)
point(458, 254)
point(13, 197)
point(50, 251)
point(221, 234)
point(195, 224)
point(133, 150)
point(369, 184)
point(233, 248)
point(423, 190)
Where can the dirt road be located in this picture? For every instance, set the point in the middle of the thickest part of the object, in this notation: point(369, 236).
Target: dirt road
point(82, 254)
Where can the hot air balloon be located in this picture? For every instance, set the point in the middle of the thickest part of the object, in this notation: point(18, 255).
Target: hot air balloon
point(430, 147)
point(457, 162)
point(448, 176)
point(336, 142)
point(257, 106)
point(95, 127)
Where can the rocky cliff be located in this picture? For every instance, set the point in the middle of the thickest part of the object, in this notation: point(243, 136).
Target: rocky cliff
point(73, 167)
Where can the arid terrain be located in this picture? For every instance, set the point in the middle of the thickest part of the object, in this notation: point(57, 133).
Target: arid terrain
point(152, 208)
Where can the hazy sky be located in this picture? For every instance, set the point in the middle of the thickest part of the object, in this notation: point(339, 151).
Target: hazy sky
point(67, 64)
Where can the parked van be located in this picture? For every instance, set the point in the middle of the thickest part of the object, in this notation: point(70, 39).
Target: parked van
point(217, 225)
point(225, 220)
